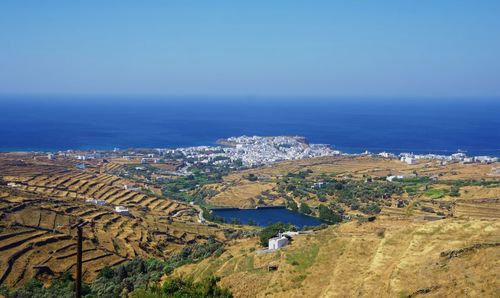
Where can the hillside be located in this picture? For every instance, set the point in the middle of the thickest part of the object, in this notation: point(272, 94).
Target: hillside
point(448, 258)
point(436, 232)
point(403, 252)
point(238, 190)
point(40, 200)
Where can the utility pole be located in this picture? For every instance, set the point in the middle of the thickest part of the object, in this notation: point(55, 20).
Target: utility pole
point(79, 229)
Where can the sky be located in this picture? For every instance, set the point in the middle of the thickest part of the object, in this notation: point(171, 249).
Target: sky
point(423, 48)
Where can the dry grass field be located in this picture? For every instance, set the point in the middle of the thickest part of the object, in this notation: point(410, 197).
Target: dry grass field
point(356, 166)
point(48, 197)
point(400, 254)
point(447, 258)
point(241, 194)
point(238, 191)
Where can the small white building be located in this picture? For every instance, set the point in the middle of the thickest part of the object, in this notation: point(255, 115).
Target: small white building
point(131, 187)
point(277, 242)
point(391, 178)
point(386, 155)
point(318, 185)
point(409, 160)
point(485, 159)
point(122, 210)
point(51, 156)
point(96, 202)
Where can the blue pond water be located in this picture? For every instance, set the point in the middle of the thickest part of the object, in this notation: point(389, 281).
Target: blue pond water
point(266, 216)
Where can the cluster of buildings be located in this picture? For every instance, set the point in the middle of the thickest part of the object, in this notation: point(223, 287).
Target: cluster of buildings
point(254, 151)
point(411, 158)
point(118, 209)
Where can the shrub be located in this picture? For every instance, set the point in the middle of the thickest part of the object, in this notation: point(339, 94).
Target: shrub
point(292, 205)
point(371, 208)
point(455, 191)
point(305, 209)
point(329, 215)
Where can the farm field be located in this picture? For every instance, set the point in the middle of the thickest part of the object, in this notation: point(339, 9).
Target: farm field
point(444, 241)
point(41, 200)
point(438, 228)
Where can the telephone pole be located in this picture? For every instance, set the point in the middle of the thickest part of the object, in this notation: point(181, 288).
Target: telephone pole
point(79, 229)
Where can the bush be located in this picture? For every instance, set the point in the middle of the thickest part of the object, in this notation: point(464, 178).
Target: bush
point(292, 205)
point(329, 215)
point(455, 191)
point(305, 209)
point(371, 208)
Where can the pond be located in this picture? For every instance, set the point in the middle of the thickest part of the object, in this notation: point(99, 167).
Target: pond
point(265, 216)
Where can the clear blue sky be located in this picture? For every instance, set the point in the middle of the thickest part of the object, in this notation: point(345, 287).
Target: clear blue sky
point(270, 48)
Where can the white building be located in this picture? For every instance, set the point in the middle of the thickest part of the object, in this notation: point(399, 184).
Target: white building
point(96, 202)
point(318, 184)
point(278, 242)
point(391, 178)
point(132, 188)
point(51, 156)
point(409, 160)
point(386, 155)
point(122, 210)
point(485, 159)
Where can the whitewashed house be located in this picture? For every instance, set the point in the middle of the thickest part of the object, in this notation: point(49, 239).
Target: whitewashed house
point(391, 178)
point(386, 155)
point(277, 242)
point(96, 202)
point(409, 160)
point(122, 210)
point(131, 187)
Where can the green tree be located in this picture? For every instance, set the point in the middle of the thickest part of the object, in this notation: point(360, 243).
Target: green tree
point(329, 215)
point(305, 209)
point(292, 205)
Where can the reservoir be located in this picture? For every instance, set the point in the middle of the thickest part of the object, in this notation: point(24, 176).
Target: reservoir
point(265, 216)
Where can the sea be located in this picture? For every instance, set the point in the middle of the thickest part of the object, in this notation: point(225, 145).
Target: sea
point(352, 125)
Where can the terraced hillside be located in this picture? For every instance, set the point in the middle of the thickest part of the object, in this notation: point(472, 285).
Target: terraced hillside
point(86, 185)
point(238, 190)
point(39, 201)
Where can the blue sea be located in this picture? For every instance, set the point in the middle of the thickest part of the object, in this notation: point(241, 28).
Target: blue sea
point(440, 126)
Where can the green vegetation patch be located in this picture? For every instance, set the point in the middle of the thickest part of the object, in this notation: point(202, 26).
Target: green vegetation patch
point(182, 287)
point(435, 193)
point(303, 258)
point(122, 280)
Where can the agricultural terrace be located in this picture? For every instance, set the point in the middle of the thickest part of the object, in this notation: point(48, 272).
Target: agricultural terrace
point(40, 200)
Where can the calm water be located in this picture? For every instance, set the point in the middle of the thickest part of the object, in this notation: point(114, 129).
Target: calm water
point(266, 216)
point(421, 126)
